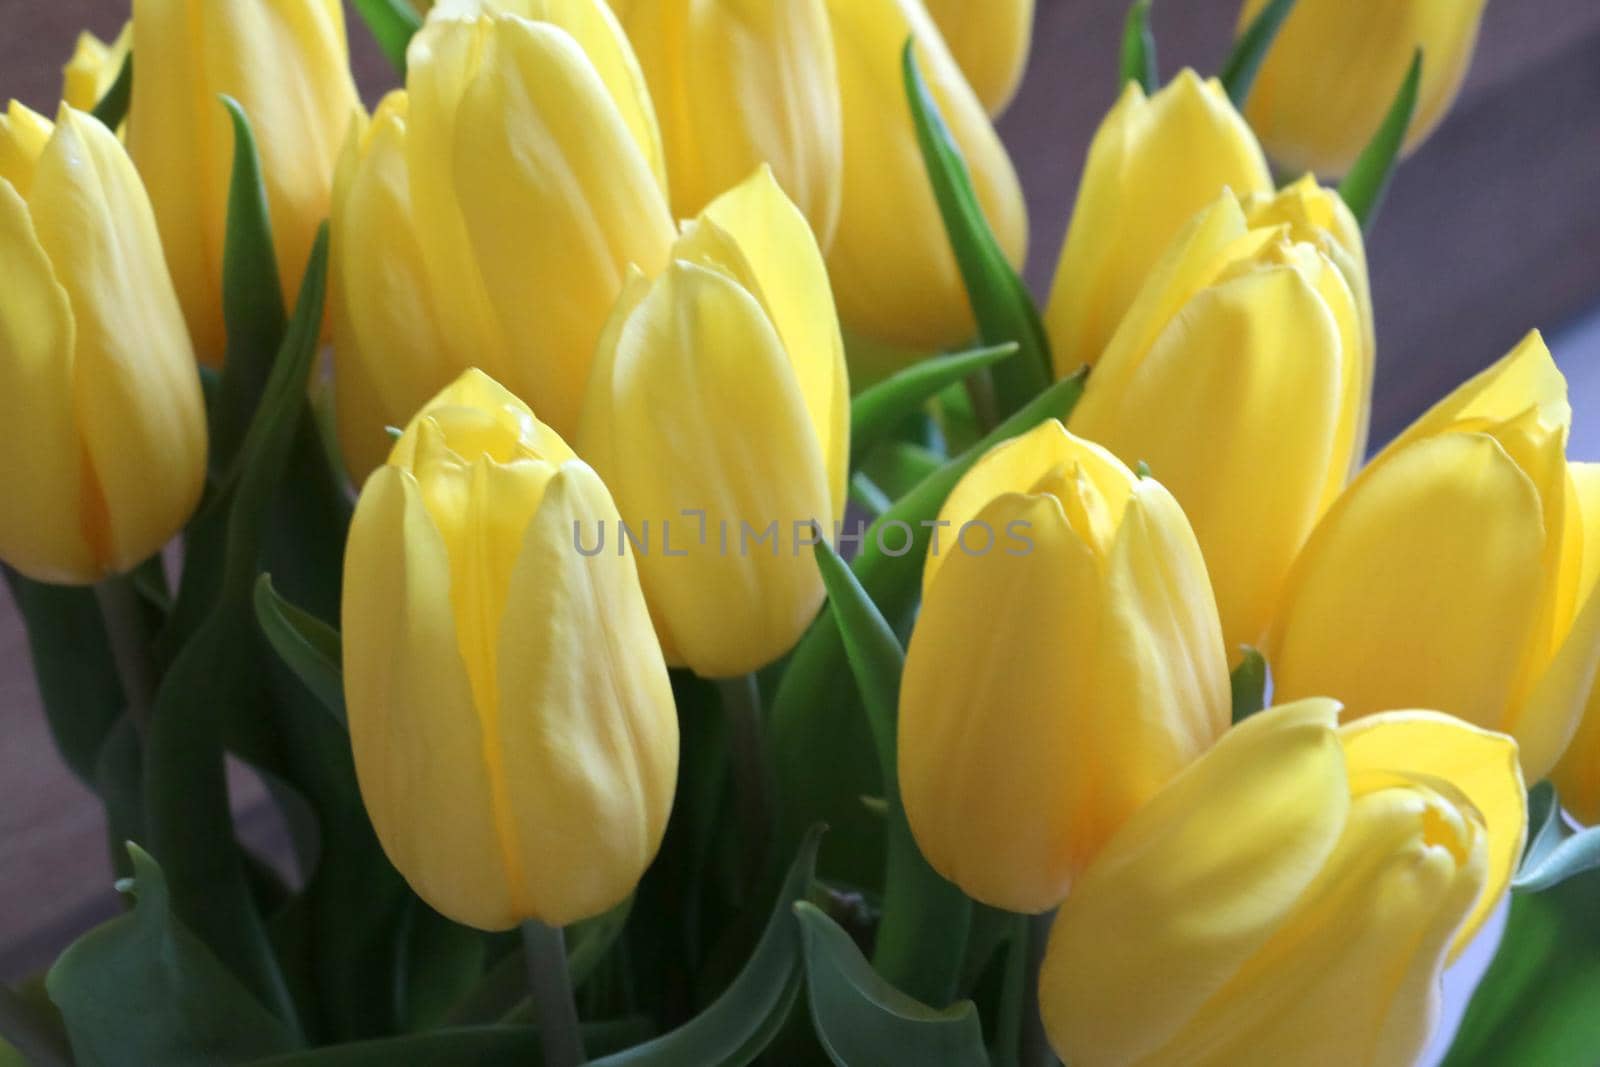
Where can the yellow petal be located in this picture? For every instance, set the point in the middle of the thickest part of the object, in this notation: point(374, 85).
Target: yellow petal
point(990, 40)
point(1577, 777)
point(1153, 164)
point(23, 135)
point(93, 68)
point(1193, 886)
point(586, 729)
point(1482, 765)
point(137, 394)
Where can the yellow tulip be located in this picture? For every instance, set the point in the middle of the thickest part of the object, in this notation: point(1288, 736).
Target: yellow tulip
point(1067, 663)
point(536, 180)
point(512, 721)
point(719, 414)
point(1291, 898)
point(1456, 572)
point(1242, 374)
point(990, 40)
point(101, 419)
point(738, 83)
point(286, 63)
point(93, 68)
point(1577, 776)
point(894, 275)
point(1154, 162)
point(1332, 74)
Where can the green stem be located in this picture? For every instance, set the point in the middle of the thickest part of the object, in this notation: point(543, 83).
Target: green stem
point(38, 1044)
point(128, 631)
point(545, 952)
point(741, 702)
point(1036, 1051)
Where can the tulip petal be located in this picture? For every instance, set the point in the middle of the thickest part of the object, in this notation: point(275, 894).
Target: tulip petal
point(1482, 765)
point(1194, 885)
point(990, 41)
point(586, 729)
point(418, 742)
point(1420, 588)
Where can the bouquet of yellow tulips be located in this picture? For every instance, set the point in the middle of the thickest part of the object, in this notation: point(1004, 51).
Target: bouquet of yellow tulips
point(692, 607)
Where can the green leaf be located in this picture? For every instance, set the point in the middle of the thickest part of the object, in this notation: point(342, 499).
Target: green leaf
point(1249, 685)
point(876, 658)
point(1546, 830)
point(749, 1014)
point(112, 108)
point(481, 1046)
point(252, 298)
point(818, 734)
point(142, 988)
point(878, 410)
point(1139, 49)
point(391, 22)
point(863, 1019)
point(1576, 855)
point(1250, 51)
point(1364, 187)
point(1004, 310)
point(308, 646)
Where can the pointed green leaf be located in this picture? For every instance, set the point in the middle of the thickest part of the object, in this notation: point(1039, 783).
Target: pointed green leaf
point(749, 1014)
point(1250, 51)
point(863, 1019)
point(308, 646)
point(1139, 49)
point(1364, 187)
point(878, 410)
point(1249, 685)
point(1577, 854)
point(876, 658)
point(391, 22)
point(1004, 310)
point(142, 988)
point(112, 108)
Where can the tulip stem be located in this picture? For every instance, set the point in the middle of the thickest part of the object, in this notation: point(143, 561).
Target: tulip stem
point(1035, 1051)
point(544, 949)
point(741, 702)
point(985, 407)
point(128, 631)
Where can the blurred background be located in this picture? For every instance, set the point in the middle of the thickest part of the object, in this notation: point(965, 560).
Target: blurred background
point(1492, 229)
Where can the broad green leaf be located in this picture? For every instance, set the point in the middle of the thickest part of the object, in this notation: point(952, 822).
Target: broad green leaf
point(1575, 855)
point(862, 1019)
point(142, 988)
point(1249, 685)
point(1001, 304)
point(1364, 187)
point(877, 410)
point(112, 108)
point(391, 22)
point(1238, 75)
point(308, 646)
point(480, 1046)
point(1139, 49)
point(817, 732)
point(744, 1020)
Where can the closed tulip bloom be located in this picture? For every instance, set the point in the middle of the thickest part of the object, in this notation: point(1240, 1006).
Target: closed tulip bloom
point(738, 83)
point(1292, 897)
point(1154, 163)
point(93, 68)
point(990, 41)
point(536, 179)
point(392, 354)
point(512, 721)
point(1577, 776)
point(1456, 570)
point(1332, 74)
point(719, 415)
point(101, 418)
point(1066, 665)
point(894, 275)
point(1242, 375)
point(286, 63)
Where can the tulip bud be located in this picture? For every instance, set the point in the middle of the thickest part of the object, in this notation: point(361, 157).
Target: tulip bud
point(738, 83)
point(1332, 74)
point(1067, 663)
point(1452, 573)
point(1291, 898)
point(1154, 163)
point(536, 180)
point(1242, 375)
point(93, 68)
point(287, 65)
point(513, 726)
point(894, 275)
point(1577, 776)
point(719, 414)
point(101, 418)
point(990, 40)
